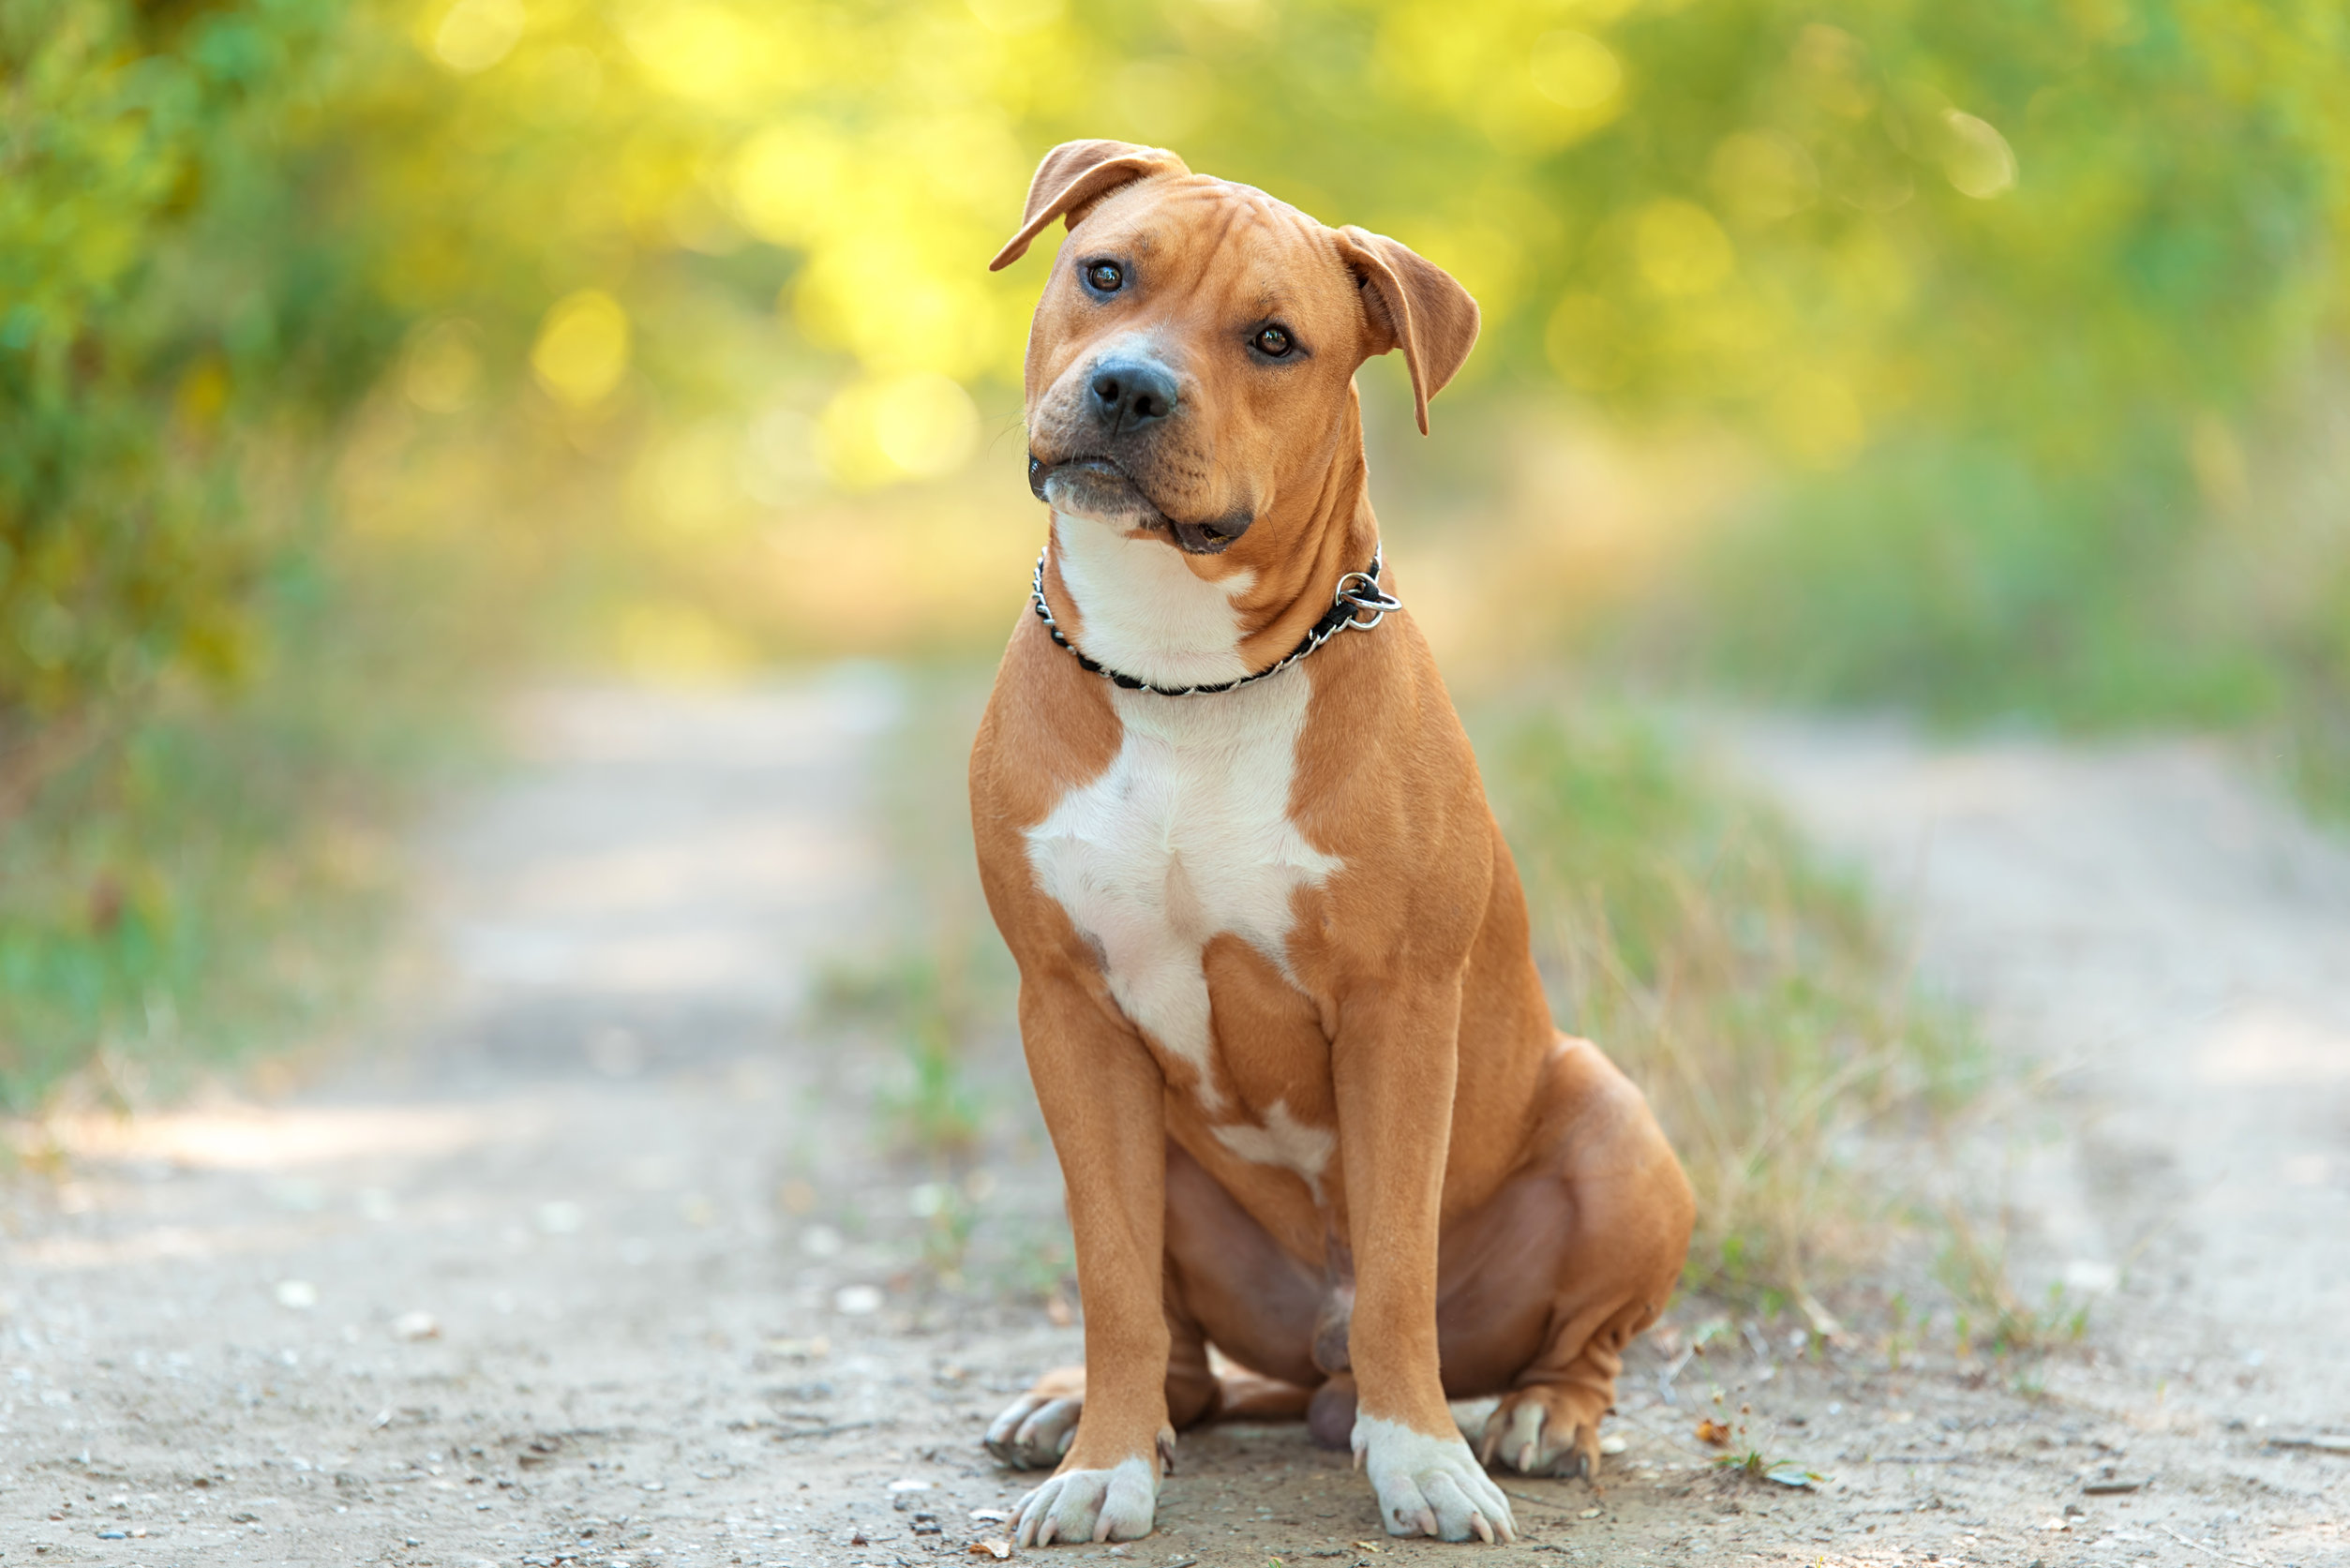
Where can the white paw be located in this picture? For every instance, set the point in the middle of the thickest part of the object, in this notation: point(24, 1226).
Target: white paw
point(1089, 1505)
point(1034, 1432)
point(1431, 1486)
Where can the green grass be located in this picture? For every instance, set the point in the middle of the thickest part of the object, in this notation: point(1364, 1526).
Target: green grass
point(212, 873)
point(924, 1006)
point(1962, 583)
point(1957, 581)
point(1973, 1268)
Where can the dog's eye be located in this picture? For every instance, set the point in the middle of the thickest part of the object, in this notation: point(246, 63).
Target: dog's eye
point(1105, 276)
point(1272, 341)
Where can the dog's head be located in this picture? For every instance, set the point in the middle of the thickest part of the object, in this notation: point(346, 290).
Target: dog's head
point(1191, 368)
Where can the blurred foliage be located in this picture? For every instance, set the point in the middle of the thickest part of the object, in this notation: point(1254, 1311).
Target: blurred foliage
point(693, 289)
point(668, 319)
point(180, 320)
point(1681, 925)
point(702, 281)
point(206, 881)
point(1998, 301)
point(199, 723)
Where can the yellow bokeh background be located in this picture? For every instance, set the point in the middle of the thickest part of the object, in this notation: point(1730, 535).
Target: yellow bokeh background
point(691, 321)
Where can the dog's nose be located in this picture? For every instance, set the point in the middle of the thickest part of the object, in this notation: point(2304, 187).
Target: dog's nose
point(1129, 394)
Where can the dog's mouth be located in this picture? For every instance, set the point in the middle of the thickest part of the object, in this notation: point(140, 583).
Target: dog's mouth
point(1094, 486)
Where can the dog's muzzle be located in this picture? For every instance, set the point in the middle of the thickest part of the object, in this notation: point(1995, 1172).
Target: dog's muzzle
point(1096, 486)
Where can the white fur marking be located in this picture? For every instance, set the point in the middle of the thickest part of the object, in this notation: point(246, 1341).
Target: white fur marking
point(1283, 1141)
point(1422, 1479)
point(1185, 836)
point(1081, 1506)
point(1141, 611)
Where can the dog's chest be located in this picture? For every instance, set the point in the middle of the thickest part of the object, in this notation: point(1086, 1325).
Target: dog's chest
point(1185, 836)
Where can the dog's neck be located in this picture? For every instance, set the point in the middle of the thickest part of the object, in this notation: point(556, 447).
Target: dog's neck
point(1134, 604)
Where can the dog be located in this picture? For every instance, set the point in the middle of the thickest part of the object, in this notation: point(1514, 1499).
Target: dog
point(1276, 989)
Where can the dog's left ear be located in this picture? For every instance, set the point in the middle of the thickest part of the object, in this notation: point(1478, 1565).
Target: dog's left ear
point(1412, 304)
point(1072, 177)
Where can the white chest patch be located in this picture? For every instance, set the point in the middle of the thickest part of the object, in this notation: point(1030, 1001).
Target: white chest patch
point(1187, 836)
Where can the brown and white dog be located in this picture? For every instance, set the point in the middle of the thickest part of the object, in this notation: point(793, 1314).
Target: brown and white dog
point(1275, 983)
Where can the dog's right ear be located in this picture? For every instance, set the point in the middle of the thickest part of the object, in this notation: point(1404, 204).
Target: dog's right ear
point(1072, 177)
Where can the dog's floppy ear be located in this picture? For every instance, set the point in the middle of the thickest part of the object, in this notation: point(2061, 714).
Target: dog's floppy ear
point(1072, 177)
point(1414, 304)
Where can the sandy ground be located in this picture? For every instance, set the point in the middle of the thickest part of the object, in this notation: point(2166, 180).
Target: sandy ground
point(594, 1260)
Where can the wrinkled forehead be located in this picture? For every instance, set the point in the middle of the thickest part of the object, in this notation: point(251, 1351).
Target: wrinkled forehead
point(1216, 242)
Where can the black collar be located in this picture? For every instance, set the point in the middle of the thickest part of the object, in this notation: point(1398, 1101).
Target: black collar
point(1358, 594)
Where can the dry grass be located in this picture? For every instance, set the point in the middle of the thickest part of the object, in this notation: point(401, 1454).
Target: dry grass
point(1753, 995)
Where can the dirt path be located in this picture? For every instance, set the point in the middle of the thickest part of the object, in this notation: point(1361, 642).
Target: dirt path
point(2174, 951)
point(595, 1263)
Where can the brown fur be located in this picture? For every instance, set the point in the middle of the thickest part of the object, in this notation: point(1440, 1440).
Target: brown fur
point(1502, 1215)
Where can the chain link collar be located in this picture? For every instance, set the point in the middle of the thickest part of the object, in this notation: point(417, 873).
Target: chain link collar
point(1358, 595)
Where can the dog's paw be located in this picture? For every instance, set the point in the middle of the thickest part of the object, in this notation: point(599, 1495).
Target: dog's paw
point(1115, 1505)
point(1536, 1435)
point(1035, 1431)
point(1431, 1486)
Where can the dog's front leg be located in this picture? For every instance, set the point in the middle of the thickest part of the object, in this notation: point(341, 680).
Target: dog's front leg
point(1393, 1066)
point(1104, 1101)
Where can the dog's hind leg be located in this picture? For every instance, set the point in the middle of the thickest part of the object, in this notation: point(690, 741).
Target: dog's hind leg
point(1246, 1395)
point(1545, 1284)
point(1036, 1429)
point(1224, 1276)
point(1229, 1282)
point(1549, 1425)
point(1205, 1385)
